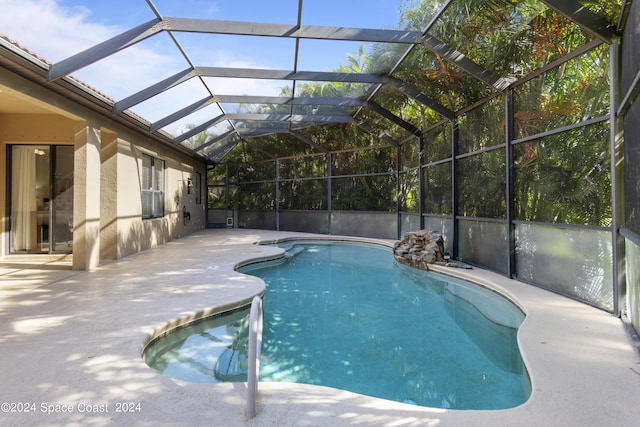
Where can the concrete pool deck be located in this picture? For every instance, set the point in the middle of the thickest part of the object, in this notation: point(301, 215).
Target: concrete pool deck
point(70, 344)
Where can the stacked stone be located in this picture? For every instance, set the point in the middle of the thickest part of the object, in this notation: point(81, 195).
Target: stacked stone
point(420, 248)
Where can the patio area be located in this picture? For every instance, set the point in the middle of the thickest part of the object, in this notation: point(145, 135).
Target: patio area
point(70, 344)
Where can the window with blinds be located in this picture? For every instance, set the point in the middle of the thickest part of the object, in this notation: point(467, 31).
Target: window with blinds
point(152, 187)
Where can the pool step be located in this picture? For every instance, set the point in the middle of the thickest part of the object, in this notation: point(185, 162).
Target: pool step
point(294, 250)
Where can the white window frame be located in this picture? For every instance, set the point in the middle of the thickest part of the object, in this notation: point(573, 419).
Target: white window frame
point(153, 187)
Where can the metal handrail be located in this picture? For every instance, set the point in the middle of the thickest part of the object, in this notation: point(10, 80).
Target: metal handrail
point(255, 348)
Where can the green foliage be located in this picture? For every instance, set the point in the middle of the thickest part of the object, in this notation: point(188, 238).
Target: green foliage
point(257, 196)
point(216, 188)
point(303, 167)
point(574, 92)
point(482, 185)
point(369, 161)
point(410, 156)
point(438, 193)
point(253, 172)
point(437, 144)
point(309, 194)
point(565, 177)
point(561, 178)
point(364, 193)
point(409, 196)
point(482, 127)
point(200, 138)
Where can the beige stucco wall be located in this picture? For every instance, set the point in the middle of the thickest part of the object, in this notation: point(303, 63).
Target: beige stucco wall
point(134, 234)
point(3, 194)
point(107, 221)
point(108, 195)
point(26, 129)
point(37, 128)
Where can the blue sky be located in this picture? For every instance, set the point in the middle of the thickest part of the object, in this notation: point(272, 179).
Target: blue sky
point(57, 29)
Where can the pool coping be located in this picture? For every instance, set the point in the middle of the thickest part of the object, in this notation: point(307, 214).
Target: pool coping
point(584, 369)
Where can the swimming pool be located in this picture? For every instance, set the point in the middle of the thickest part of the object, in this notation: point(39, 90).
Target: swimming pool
point(347, 316)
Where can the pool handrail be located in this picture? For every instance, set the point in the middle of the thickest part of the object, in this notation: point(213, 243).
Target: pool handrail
point(255, 348)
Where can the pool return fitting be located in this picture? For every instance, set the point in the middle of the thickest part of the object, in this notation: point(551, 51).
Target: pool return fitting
point(255, 348)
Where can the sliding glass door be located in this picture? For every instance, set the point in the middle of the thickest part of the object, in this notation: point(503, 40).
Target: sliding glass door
point(41, 199)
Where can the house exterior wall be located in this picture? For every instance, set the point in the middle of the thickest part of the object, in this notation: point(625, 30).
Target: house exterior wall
point(134, 234)
point(107, 221)
point(3, 193)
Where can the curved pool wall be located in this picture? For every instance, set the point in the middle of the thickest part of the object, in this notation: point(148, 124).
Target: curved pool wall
point(479, 323)
point(489, 318)
point(492, 324)
point(212, 336)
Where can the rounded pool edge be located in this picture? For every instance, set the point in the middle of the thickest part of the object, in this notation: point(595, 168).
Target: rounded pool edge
point(329, 239)
point(221, 310)
point(464, 274)
point(188, 320)
point(215, 310)
point(448, 271)
point(458, 273)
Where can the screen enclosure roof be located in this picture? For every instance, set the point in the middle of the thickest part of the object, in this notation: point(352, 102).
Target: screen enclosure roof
point(253, 69)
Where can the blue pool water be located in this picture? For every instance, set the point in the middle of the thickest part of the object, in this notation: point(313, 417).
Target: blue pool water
point(347, 316)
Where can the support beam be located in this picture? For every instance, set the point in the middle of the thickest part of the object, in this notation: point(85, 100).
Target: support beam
point(255, 147)
point(276, 202)
point(421, 184)
point(420, 97)
point(257, 128)
point(257, 132)
point(330, 77)
point(392, 117)
point(510, 181)
point(181, 113)
point(464, 63)
point(310, 142)
point(630, 96)
point(287, 100)
point(398, 191)
point(267, 74)
point(214, 140)
point(264, 125)
point(86, 195)
point(245, 99)
point(380, 135)
point(625, 8)
point(329, 192)
point(225, 149)
point(588, 20)
point(153, 90)
point(201, 128)
point(295, 118)
point(278, 75)
point(104, 49)
point(407, 52)
point(455, 235)
point(616, 159)
point(292, 31)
